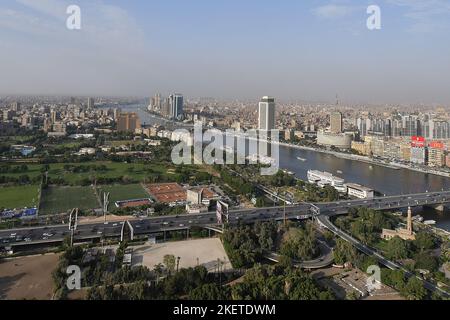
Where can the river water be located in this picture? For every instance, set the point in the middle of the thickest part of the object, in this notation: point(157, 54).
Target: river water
point(385, 180)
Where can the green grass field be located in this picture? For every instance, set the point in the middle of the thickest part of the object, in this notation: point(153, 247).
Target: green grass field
point(136, 171)
point(123, 192)
point(61, 199)
point(19, 197)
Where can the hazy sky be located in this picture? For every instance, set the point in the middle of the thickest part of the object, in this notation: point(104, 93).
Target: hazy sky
point(300, 49)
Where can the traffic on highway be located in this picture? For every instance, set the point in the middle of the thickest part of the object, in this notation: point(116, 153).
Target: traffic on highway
point(150, 225)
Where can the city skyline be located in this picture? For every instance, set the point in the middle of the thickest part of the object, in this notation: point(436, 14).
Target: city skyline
point(308, 51)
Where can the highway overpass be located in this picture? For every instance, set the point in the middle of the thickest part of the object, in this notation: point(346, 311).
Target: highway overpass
point(155, 225)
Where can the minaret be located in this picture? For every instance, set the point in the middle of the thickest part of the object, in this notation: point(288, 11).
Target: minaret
point(409, 228)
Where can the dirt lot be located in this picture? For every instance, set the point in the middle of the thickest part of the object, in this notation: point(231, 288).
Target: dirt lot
point(109, 218)
point(207, 251)
point(27, 277)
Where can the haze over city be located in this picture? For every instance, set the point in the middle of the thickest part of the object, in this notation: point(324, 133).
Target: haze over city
point(308, 50)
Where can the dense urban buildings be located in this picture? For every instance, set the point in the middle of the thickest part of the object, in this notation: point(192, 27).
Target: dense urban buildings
point(128, 121)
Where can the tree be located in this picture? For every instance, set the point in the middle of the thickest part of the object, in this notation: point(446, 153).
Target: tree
point(210, 291)
point(352, 295)
point(169, 262)
point(393, 278)
point(424, 241)
point(426, 261)
point(396, 249)
point(414, 289)
point(344, 252)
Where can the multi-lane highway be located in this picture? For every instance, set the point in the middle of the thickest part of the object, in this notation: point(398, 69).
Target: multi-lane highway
point(320, 211)
point(56, 233)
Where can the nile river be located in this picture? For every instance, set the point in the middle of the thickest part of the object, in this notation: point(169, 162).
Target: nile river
point(385, 180)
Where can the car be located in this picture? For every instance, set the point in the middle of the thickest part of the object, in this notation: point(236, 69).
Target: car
point(44, 238)
point(115, 225)
point(181, 225)
point(190, 221)
point(27, 239)
point(13, 235)
point(165, 223)
point(99, 232)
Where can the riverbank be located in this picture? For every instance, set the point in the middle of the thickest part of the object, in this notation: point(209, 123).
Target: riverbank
point(391, 165)
point(341, 155)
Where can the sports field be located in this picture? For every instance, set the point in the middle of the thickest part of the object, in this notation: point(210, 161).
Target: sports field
point(19, 196)
point(135, 171)
point(123, 192)
point(61, 199)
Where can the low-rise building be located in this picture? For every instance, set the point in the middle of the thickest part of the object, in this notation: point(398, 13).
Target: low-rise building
point(360, 192)
point(361, 147)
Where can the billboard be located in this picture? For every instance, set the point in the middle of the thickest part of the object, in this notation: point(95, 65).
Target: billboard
point(417, 141)
point(436, 145)
point(221, 212)
point(21, 213)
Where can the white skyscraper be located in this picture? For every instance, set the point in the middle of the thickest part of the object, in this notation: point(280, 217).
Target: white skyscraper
point(266, 114)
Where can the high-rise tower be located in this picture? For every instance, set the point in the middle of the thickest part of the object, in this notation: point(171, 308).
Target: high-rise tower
point(266, 114)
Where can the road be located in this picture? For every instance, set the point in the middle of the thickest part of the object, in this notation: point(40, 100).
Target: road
point(56, 233)
point(324, 220)
point(326, 258)
point(152, 225)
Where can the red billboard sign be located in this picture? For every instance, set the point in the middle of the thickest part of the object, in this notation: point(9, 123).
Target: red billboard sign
point(417, 141)
point(436, 145)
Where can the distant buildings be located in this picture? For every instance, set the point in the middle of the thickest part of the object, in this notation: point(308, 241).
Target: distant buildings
point(155, 103)
point(336, 123)
point(90, 103)
point(335, 137)
point(172, 107)
point(337, 140)
point(128, 122)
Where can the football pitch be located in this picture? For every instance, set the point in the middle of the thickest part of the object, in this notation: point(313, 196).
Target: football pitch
point(18, 197)
point(57, 199)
